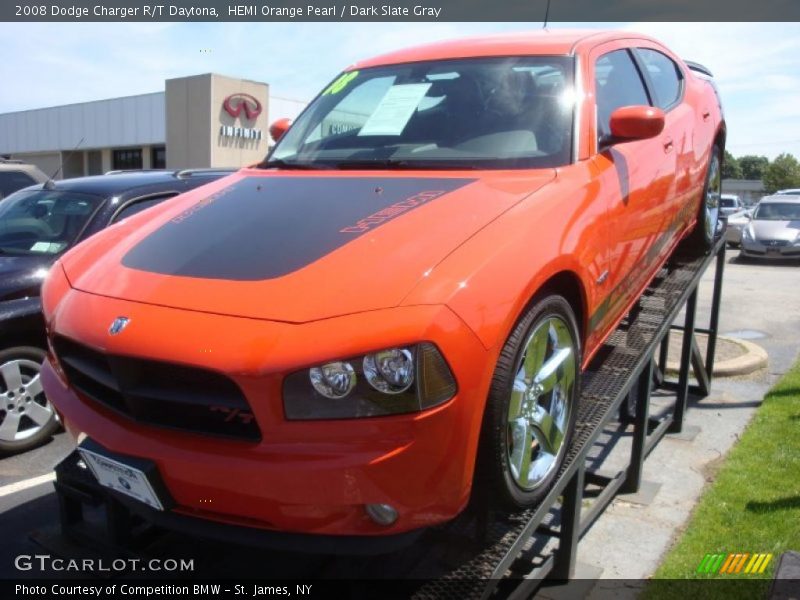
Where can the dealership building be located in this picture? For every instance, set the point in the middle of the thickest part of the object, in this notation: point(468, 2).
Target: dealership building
point(207, 120)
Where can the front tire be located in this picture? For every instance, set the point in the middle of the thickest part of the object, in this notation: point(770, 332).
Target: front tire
point(27, 419)
point(532, 406)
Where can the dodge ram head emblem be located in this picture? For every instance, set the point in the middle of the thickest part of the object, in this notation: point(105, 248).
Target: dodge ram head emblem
point(118, 325)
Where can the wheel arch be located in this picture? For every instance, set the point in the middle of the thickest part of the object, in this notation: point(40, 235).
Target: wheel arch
point(568, 284)
point(27, 330)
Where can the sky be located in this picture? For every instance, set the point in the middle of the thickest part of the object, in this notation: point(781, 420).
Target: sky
point(756, 65)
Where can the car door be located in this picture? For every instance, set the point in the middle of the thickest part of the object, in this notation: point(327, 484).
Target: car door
point(637, 179)
point(667, 83)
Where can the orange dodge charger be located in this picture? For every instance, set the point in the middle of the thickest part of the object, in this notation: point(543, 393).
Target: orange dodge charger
point(394, 308)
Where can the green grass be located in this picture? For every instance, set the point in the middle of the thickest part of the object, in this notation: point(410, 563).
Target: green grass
point(752, 506)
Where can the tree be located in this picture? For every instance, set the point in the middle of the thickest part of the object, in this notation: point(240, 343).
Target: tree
point(753, 167)
point(782, 173)
point(731, 169)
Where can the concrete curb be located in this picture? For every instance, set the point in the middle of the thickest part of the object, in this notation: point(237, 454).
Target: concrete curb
point(753, 359)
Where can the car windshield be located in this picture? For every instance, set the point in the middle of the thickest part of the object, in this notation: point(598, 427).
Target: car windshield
point(43, 221)
point(778, 211)
point(467, 113)
point(727, 202)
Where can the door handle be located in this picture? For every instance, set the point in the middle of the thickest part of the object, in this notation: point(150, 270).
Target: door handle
point(706, 115)
point(668, 145)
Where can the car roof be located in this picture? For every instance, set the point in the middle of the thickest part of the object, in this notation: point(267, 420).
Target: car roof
point(127, 181)
point(782, 198)
point(17, 165)
point(541, 42)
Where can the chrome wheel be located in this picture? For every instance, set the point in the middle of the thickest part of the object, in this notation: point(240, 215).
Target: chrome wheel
point(24, 409)
point(711, 200)
point(541, 403)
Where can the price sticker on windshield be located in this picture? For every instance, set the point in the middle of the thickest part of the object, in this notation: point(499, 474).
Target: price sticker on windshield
point(395, 109)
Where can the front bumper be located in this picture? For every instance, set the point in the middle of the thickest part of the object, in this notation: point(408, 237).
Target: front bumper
point(733, 234)
point(311, 477)
point(76, 482)
point(769, 249)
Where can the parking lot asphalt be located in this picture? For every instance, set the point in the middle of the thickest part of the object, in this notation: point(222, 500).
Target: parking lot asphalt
point(759, 303)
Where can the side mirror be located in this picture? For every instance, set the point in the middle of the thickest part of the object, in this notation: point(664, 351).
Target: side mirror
point(630, 123)
point(279, 128)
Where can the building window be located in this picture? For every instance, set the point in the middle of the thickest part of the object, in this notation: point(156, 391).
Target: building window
point(158, 157)
point(127, 159)
point(94, 162)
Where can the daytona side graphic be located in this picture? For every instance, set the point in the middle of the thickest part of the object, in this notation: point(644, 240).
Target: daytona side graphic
point(390, 212)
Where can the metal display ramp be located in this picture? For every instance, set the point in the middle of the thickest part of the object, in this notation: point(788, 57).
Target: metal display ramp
point(479, 555)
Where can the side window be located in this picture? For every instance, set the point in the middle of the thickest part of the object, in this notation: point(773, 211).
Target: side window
point(138, 206)
point(665, 76)
point(617, 83)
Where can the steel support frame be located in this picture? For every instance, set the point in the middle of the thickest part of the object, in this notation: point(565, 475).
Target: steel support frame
point(575, 521)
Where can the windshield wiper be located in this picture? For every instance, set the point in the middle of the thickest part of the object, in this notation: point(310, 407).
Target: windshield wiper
point(393, 163)
point(278, 163)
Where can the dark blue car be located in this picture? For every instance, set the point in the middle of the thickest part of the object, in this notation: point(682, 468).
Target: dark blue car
point(37, 225)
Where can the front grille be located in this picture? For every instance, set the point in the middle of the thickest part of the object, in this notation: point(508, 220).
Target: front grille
point(775, 243)
point(159, 393)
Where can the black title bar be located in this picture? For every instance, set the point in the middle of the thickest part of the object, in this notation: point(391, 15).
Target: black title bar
point(400, 10)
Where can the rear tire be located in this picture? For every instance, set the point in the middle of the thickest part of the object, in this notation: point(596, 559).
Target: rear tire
point(27, 418)
point(532, 406)
point(707, 227)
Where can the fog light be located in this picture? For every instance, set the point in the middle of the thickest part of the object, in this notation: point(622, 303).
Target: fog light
point(382, 514)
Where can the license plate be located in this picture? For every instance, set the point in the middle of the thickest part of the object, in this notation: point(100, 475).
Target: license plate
point(120, 477)
point(773, 251)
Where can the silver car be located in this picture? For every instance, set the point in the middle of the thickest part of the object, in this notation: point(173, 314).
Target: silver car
point(774, 231)
point(736, 224)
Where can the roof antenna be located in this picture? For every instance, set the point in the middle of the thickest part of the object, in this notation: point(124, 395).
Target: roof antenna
point(50, 184)
point(546, 15)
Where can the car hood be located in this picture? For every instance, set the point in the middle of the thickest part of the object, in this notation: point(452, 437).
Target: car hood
point(296, 246)
point(776, 230)
point(22, 275)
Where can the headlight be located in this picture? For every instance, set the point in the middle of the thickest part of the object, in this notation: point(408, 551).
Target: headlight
point(390, 371)
point(333, 380)
point(387, 382)
point(747, 232)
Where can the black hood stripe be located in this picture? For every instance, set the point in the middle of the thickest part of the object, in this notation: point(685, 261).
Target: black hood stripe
point(266, 227)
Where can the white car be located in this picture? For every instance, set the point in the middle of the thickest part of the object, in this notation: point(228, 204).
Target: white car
point(736, 223)
point(729, 204)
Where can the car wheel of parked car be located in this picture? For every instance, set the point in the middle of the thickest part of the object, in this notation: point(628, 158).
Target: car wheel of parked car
point(26, 416)
point(532, 405)
point(708, 218)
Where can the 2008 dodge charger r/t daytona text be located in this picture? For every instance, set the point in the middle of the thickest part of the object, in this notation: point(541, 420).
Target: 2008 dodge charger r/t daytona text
point(393, 309)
